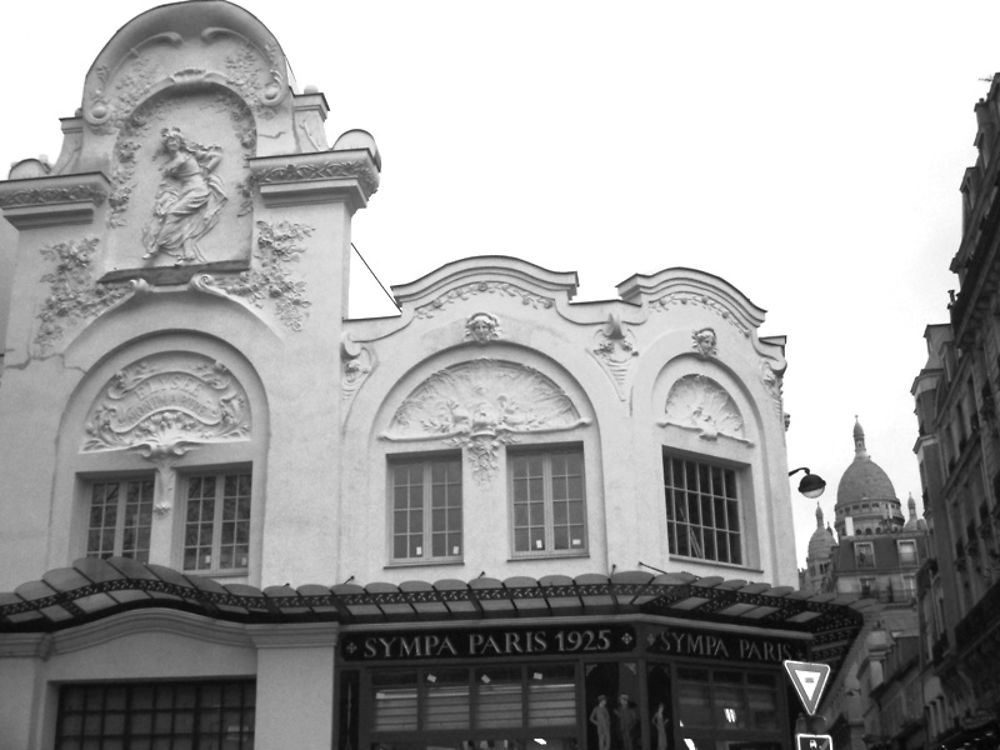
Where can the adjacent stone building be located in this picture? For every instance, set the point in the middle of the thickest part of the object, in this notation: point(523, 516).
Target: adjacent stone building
point(958, 447)
point(236, 517)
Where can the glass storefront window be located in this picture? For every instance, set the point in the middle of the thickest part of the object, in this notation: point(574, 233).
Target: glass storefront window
point(460, 698)
point(395, 701)
point(446, 703)
point(500, 697)
point(727, 699)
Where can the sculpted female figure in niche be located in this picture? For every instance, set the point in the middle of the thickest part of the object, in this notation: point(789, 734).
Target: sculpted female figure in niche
point(188, 199)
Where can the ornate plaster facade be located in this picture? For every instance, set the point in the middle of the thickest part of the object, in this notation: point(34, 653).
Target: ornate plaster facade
point(178, 346)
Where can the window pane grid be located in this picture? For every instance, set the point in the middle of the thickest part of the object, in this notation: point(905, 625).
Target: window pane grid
point(427, 509)
point(120, 520)
point(217, 522)
point(174, 715)
point(548, 501)
point(702, 508)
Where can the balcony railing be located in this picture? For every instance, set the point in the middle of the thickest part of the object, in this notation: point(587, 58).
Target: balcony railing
point(981, 618)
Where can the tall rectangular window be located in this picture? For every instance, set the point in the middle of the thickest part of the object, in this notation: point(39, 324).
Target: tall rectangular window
point(217, 522)
point(703, 510)
point(121, 515)
point(139, 716)
point(907, 551)
point(864, 554)
point(426, 509)
point(548, 494)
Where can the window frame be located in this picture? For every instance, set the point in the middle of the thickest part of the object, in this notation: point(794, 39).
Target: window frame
point(427, 462)
point(141, 712)
point(121, 526)
point(546, 452)
point(859, 549)
point(183, 504)
point(741, 482)
point(910, 544)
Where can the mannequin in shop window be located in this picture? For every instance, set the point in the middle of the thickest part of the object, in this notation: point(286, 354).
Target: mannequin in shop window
point(660, 723)
point(625, 715)
point(601, 719)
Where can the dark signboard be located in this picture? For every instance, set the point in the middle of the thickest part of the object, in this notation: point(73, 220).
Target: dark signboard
point(708, 644)
point(487, 642)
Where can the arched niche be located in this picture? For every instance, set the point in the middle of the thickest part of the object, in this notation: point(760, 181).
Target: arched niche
point(180, 201)
point(161, 409)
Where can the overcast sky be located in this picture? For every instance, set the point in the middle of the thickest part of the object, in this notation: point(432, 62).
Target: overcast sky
point(809, 153)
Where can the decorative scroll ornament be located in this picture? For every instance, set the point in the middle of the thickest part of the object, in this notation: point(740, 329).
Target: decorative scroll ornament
point(359, 361)
point(697, 402)
point(74, 295)
point(499, 288)
point(704, 342)
point(482, 327)
point(164, 405)
point(278, 246)
point(773, 382)
point(615, 351)
point(482, 405)
point(244, 72)
point(108, 106)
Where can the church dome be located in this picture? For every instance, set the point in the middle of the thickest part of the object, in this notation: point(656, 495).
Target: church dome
point(863, 479)
point(913, 523)
point(866, 499)
point(821, 542)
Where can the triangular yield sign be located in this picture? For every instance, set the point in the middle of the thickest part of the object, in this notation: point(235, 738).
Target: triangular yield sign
point(809, 681)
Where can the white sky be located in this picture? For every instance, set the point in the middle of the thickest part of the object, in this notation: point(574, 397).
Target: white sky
point(809, 153)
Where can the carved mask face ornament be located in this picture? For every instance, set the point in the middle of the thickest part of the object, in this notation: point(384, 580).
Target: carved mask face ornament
point(482, 327)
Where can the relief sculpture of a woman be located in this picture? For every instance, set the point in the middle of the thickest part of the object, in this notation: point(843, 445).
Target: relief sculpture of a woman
point(188, 200)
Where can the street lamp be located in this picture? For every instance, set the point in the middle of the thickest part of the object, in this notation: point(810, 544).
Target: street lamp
point(812, 485)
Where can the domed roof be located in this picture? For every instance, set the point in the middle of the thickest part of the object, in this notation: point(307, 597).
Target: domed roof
point(913, 523)
point(821, 542)
point(863, 479)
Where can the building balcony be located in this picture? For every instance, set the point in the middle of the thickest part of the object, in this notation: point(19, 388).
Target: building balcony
point(981, 619)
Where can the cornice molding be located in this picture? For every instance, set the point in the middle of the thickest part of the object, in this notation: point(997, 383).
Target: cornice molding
point(319, 177)
point(59, 199)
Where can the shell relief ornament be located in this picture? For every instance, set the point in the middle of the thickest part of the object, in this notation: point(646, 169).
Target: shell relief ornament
point(481, 406)
point(165, 405)
point(696, 402)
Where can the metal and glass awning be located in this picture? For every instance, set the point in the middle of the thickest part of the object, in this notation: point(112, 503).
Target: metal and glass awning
point(93, 588)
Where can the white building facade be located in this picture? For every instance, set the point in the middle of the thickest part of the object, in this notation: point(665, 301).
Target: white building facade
point(236, 516)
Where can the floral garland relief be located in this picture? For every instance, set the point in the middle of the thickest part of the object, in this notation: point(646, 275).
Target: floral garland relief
point(278, 246)
point(73, 296)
